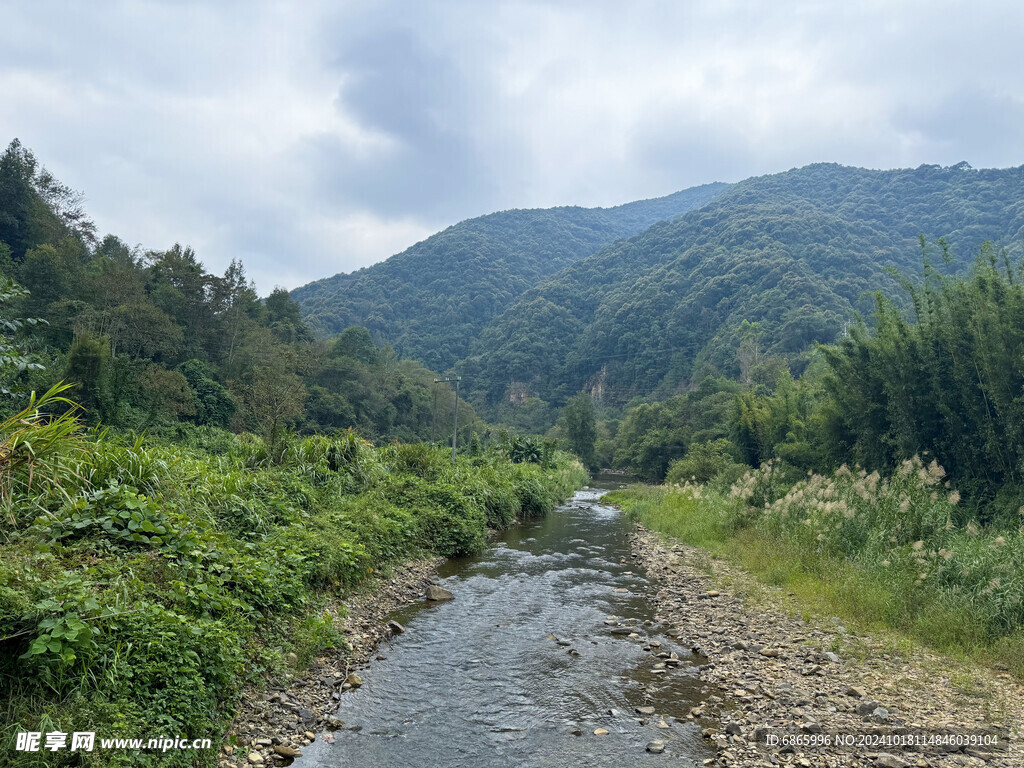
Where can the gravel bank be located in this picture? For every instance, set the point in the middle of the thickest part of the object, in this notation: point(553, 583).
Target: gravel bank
point(769, 674)
point(273, 724)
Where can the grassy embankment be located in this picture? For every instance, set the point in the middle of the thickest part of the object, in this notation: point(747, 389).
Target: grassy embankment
point(144, 582)
point(882, 553)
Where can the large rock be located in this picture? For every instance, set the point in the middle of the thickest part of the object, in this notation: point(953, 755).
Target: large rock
point(395, 627)
point(656, 747)
point(285, 751)
point(438, 594)
point(354, 680)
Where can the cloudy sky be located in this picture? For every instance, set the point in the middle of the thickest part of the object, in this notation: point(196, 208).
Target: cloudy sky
point(311, 138)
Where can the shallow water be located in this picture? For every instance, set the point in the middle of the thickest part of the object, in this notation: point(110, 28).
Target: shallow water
point(478, 681)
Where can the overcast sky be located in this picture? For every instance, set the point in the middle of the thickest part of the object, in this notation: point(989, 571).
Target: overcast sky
point(313, 138)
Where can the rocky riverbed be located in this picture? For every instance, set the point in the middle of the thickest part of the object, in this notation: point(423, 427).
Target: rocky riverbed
point(772, 675)
point(274, 724)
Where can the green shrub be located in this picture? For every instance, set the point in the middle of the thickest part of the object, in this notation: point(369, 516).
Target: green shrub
point(158, 577)
point(703, 463)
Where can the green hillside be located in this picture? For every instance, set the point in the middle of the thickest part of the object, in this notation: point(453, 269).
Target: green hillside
point(433, 299)
point(793, 252)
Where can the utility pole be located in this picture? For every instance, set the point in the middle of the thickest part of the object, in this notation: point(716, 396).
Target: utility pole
point(455, 430)
point(433, 422)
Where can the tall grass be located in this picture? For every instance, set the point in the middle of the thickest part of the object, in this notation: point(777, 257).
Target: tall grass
point(883, 552)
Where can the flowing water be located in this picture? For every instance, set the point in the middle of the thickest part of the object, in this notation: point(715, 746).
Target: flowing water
point(490, 679)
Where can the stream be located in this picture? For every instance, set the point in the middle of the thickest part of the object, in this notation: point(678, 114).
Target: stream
point(523, 665)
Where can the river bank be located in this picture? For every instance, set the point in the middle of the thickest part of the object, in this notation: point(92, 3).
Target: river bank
point(274, 724)
point(772, 673)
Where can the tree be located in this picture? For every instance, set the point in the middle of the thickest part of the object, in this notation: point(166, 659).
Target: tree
point(579, 424)
point(214, 405)
point(88, 365)
point(355, 342)
point(17, 169)
point(36, 208)
point(241, 305)
point(276, 396)
point(750, 353)
point(284, 317)
point(168, 392)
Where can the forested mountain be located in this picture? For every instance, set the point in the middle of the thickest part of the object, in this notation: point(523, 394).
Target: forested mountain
point(792, 254)
point(432, 300)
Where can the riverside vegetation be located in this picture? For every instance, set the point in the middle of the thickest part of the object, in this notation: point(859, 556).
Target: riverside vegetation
point(178, 518)
point(889, 487)
point(145, 582)
point(883, 552)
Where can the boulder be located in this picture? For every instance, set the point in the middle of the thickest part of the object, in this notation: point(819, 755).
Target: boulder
point(437, 594)
point(396, 628)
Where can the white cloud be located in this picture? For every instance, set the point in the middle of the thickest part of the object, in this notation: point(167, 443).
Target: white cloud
point(307, 139)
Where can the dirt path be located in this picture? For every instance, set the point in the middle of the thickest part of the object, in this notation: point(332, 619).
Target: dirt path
point(771, 675)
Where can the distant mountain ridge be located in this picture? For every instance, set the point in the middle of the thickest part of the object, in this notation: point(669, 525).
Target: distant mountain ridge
point(794, 251)
point(433, 299)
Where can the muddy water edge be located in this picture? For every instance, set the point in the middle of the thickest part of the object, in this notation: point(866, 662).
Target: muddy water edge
point(551, 637)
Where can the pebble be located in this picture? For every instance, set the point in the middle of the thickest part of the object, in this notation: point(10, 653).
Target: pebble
point(600, 731)
point(762, 671)
point(656, 747)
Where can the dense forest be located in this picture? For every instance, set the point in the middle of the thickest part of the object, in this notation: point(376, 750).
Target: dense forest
point(153, 341)
point(431, 301)
point(794, 253)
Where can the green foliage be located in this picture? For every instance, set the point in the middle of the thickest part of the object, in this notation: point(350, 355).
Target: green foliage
point(213, 404)
point(878, 550)
point(792, 254)
point(152, 339)
point(653, 435)
point(14, 360)
point(433, 299)
point(522, 449)
point(703, 463)
point(40, 456)
point(947, 382)
point(579, 424)
point(194, 561)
